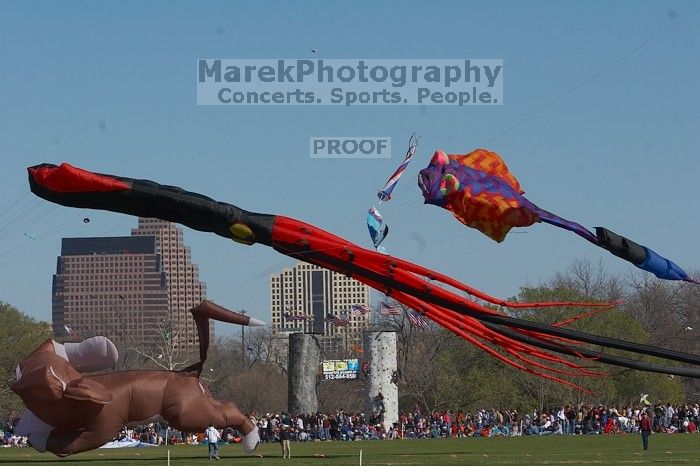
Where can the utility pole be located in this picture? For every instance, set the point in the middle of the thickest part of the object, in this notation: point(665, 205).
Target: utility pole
point(243, 340)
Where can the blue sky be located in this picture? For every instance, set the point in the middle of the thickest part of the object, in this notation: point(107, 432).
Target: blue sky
point(111, 88)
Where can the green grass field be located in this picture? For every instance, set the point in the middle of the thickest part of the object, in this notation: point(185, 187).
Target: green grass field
point(607, 450)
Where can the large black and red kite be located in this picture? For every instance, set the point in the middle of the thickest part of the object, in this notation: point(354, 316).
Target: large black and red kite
point(529, 346)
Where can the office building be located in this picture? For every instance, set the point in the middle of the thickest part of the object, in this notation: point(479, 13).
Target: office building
point(308, 298)
point(136, 289)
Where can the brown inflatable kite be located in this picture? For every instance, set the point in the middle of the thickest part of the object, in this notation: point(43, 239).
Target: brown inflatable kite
point(68, 412)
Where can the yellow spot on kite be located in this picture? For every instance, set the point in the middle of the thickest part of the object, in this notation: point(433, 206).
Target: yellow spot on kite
point(242, 233)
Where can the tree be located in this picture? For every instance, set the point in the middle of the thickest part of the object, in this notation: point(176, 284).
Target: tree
point(166, 352)
point(19, 336)
point(668, 312)
point(584, 282)
point(264, 347)
point(259, 385)
point(348, 395)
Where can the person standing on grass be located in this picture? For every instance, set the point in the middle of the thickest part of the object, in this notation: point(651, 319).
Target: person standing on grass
point(212, 435)
point(645, 429)
point(284, 439)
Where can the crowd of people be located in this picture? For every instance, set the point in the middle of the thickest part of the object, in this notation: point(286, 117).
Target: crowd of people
point(564, 420)
point(345, 426)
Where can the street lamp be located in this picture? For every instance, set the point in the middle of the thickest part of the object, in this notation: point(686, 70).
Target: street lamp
point(243, 340)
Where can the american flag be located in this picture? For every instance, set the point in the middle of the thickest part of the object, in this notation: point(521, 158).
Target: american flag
point(337, 319)
point(387, 310)
point(417, 320)
point(289, 316)
point(360, 309)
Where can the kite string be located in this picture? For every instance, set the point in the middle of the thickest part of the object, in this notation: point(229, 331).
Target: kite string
point(591, 77)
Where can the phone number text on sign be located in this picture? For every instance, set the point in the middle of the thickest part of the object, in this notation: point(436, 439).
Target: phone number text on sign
point(340, 376)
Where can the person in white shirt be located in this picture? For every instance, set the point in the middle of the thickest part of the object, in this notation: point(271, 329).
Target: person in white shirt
point(213, 436)
point(669, 415)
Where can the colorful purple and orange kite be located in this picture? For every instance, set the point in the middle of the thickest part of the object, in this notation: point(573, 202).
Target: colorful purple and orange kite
point(481, 192)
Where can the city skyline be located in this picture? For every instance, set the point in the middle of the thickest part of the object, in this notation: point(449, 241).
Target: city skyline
point(135, 289)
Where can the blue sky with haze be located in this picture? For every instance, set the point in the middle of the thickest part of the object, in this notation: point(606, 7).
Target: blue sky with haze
point(112, 88)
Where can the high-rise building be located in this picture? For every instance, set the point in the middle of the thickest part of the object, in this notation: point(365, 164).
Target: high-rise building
point(136, 288)
point(114, 286)
point(308, 298)
point(184, 289)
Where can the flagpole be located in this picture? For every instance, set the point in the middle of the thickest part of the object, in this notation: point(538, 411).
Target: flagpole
point(243, 340)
